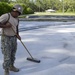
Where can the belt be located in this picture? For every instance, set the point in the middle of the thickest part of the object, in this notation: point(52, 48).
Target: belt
point(10, 36)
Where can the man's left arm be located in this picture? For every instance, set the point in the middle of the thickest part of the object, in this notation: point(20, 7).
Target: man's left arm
point(18, 33)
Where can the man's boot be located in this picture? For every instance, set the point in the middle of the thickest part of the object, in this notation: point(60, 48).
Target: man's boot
point(6, 72)
point(13, 68)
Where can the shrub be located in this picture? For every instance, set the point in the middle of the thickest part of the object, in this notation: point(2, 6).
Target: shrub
point(24, 9)
point(4, 8)
point(27, 10)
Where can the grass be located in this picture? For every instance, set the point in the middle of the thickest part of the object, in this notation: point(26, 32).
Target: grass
point(48, 13)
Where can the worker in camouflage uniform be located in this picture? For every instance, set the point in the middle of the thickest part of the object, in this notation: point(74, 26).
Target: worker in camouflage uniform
point(8, 22)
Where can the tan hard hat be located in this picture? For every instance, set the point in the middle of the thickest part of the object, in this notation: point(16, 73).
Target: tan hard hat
point(18, 8)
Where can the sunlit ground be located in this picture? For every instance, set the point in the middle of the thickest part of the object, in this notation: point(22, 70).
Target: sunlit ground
point(48, 13)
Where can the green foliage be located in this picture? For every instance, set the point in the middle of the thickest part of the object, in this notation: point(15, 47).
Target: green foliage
point(4, 8)
point(69, 5)
point(47, 4)
point(4, 0)
point(24, 9)
point(31, 6)
point(27, 10)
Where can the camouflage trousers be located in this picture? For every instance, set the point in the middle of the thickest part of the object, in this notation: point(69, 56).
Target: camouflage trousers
point(9, 47)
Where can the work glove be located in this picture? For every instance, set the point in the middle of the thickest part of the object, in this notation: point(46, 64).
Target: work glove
point(18, 36)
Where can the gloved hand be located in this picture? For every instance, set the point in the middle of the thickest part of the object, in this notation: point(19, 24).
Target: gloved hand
point(8, 25)
point(18, 36)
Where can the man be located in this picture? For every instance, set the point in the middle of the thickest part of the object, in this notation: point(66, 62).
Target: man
point(8, 23)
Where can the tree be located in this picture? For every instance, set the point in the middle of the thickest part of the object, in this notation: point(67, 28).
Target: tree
point(47, 4)
point(42, 5)
point(4, 0)
point(69, 5)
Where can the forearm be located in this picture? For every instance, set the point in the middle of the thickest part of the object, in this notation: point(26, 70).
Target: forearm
point(7, 25)
point(17, 30)
point(2, 26)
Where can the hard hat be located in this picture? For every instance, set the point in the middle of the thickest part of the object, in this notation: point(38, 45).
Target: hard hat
point(18, 8)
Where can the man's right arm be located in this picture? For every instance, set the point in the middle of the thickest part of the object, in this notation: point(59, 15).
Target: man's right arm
point(7, 25)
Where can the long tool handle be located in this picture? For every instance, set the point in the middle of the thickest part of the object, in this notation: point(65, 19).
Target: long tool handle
point(26, 49)
point(23, 45)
